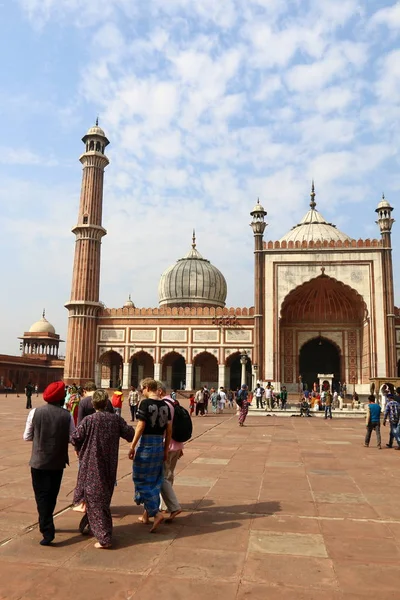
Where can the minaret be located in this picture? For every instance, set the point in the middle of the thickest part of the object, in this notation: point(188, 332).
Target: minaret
point(258, 226)
point(385, 222)
point(84, 304)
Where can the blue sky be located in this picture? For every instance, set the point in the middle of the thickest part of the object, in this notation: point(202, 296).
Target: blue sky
point(207, 105)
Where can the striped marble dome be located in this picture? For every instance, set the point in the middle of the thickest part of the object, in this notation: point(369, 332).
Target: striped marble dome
point(193, 280)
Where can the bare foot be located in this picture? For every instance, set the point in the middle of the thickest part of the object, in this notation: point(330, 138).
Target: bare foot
point(158, 519)
point(99, 546)
point(172, 516)
point(144, 518)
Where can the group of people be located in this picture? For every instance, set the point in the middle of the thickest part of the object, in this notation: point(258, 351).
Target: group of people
point(272, 399)
point(391, 415)
point(95, 435)
point(218, 398)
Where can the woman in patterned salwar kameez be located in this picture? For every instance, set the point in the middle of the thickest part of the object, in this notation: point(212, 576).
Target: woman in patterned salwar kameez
point(149, 450)
point(97, 441)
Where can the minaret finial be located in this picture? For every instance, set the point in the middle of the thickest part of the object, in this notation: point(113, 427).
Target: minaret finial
point(383, 195)
point(194, 239)
point(44, 313)
point(313, 204)
point(130, 299)
point(97, 121)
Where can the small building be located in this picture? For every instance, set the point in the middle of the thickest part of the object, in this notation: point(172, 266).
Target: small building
point(39, 362)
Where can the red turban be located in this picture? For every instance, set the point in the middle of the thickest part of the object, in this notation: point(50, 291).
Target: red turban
point(55, 392)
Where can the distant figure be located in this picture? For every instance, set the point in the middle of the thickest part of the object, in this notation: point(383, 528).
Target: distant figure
point(199, 399)
point(328, 405)
point(133, 401)
point(392, 411)
point(373, 421)
point(268, 396)
point(37, 390)
point(259, 393)
point(28, 392)
point(243, 404)
point(117, 400)
point(304, 408)
point(229, 396)
point(284, 396)
point(191, 404)
point(222, 399)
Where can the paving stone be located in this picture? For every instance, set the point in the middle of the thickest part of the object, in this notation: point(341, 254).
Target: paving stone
point(295, 544)
point(201, 564)
point(212, 461)
point(339, 498)
point(299, 571)
point(194, 481)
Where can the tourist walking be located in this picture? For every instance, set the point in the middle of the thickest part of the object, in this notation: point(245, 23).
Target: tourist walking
point(206, 396)
point(373, 421)
point(49, 428)
point(199, 399)
point(214, 400)
point(28, 393)
point(222, 399)
point(191, 404)
point(97, 442)
point(149, 451)
point(72, 404)
point(392, 412)
point(229, 396)
point(117, 400)
point(258, 393)
point(133, 401)
point(86, 407)
point(170, 502)
point(243, 403)
point(328, 404)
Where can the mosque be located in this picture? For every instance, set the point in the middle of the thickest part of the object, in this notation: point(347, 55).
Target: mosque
point(323, 304)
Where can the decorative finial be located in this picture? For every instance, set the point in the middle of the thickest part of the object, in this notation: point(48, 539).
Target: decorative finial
point(313, 204)
point(323, 270)
point(44, 313)
point(194, 240)
point(129, 298)
point(97, 121)
point(258, 200)
point(383, 195)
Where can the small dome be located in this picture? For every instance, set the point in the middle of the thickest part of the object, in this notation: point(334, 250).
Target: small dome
point(383, 204)
point(42, 326)
point(192, 280)
point(314, 227)
point(129, 303)
point(96, 130)
point(258, 208)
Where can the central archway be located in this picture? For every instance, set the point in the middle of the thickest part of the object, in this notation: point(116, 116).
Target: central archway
point(174, 371)
point(319, 355)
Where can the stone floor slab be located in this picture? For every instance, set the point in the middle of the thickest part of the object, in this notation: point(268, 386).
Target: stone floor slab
point(211, 461)
point(194, 481)
point(294, 544)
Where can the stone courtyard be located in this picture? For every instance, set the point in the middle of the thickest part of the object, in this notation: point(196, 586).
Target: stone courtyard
point(282, 508)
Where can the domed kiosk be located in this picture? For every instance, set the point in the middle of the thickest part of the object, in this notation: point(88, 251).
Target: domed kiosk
point(193, 280)
point(41, 339)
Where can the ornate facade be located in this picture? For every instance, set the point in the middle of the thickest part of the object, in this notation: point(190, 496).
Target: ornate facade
point(323, 303)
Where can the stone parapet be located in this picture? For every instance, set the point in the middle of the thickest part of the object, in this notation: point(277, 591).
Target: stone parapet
point(195, 311)
point(284, 245)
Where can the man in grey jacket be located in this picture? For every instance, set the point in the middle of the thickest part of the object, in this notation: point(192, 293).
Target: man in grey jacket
point(48, 428)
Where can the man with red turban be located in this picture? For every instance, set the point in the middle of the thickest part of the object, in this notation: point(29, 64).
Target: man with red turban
point(49, 428)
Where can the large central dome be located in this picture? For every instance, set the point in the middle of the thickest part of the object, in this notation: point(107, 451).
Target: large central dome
point(314, 227)
point(193, 280)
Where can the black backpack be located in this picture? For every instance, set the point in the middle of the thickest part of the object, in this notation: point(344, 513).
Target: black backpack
point(182, 426)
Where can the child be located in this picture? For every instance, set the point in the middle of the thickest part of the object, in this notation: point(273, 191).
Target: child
point(191, 404)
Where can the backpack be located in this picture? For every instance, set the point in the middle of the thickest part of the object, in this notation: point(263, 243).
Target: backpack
point(182, 426)
point(218, 397)
point(239, 398)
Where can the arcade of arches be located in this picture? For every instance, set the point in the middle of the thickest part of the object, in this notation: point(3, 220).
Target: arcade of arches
point(173, 370)
point(324, 328)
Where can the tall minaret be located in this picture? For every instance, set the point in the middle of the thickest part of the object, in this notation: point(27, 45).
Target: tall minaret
point(385, 222)
point(84, 304)
point(258, 226)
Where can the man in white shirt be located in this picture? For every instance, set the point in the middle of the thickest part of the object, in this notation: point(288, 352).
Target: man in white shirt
point(258, 393)
point(222, 399)
point(268, 395)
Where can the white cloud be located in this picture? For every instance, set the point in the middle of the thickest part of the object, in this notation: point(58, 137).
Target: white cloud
point(389, 16)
